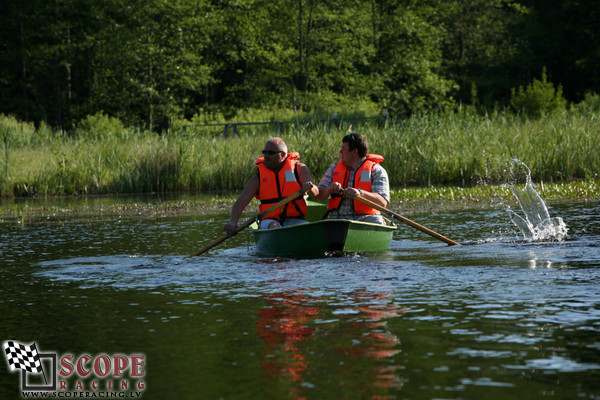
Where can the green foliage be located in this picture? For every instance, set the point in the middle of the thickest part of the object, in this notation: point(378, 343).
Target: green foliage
point(412, 54)
point(538, 98)
point(479, 43)
point(154, 168)
point(4, 177)
point(464, 149)
point(100, 126)
point(570, 190)
point(157, 64)
point(18, 133)
point(589, 105)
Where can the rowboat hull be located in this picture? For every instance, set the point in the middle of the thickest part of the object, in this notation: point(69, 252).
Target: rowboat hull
point(319, 238)
point(316, 210)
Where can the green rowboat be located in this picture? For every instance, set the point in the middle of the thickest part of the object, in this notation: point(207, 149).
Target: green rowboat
point(319, 238)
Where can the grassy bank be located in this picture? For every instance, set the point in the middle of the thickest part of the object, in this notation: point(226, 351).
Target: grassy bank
point(464, 150)
point(407, 201)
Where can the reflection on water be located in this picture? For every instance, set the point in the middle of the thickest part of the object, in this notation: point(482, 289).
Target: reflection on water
point(283, 325)
point(292, 320)
point(497, 317)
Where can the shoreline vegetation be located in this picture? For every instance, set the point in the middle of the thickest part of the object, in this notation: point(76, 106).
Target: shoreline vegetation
point(455, 156)
point(409, 201)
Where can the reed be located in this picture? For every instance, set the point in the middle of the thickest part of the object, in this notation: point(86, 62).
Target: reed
point(434, 152)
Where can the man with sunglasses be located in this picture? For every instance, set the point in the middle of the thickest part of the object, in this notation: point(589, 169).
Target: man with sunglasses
point(279, 175)
point(357, 173)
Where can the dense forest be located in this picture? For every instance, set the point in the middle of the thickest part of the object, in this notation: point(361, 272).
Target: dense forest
point(152, 61)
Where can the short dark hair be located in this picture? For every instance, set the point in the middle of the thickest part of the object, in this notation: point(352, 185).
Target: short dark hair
point(356, 141)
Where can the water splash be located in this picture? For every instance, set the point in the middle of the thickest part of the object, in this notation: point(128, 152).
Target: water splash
point(537, 225)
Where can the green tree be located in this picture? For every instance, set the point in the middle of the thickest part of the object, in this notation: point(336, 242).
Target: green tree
point(148, 62)
point(409, 59)
point(39, 40)
point(538, 98)
point(246, 48)
point(563, 37)
point(479, 44)
point(335, 50)
point(297, 53)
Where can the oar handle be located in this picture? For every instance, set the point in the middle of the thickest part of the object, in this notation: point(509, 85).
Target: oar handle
point(246, 224)
point(407, 221)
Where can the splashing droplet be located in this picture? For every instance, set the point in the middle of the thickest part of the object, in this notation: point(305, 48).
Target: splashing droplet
point(537, 224)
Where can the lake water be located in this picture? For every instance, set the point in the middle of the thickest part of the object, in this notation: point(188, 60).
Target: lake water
point(498, 317)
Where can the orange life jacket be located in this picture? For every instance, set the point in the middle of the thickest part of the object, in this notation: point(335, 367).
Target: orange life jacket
point(362, 180)
point(277, 185)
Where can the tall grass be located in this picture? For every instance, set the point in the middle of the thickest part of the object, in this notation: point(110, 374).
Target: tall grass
point(459, 149)
point(471, 149)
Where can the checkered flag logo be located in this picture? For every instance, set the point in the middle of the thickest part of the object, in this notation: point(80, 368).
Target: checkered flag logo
point(23, 357)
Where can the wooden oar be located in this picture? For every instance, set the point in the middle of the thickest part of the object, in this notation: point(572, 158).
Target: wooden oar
point(246, 224)
point(407, 221)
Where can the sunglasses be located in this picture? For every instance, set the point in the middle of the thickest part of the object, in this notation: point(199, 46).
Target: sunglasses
point(270, 152)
